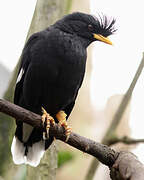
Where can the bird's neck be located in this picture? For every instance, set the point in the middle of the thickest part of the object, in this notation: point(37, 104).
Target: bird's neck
point(85, 42)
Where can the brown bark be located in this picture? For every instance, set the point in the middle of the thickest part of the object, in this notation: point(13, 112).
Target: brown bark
point(127, 167)
point(105, 154)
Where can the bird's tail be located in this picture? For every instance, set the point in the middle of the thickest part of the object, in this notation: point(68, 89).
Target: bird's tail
point(33, 155)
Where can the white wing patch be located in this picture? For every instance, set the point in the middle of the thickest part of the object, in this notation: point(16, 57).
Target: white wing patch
point(20, 75)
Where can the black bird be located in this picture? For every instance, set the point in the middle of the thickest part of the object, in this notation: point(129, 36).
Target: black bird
point(50, 75)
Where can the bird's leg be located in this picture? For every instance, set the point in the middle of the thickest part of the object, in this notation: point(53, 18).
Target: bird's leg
point(61, 117)
point(47, 121)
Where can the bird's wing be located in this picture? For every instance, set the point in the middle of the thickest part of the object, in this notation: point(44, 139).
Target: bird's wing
point(25, 61)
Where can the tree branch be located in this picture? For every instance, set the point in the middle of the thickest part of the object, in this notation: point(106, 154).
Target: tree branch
point(125, 140)
point(103, 153)
point(127, 167)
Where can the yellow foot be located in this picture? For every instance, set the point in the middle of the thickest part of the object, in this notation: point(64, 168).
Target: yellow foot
point(61, 117)
point(47, 121)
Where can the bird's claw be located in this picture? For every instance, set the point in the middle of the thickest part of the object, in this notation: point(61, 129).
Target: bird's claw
point(47, 121)
point(68, 131)
point(61, 117)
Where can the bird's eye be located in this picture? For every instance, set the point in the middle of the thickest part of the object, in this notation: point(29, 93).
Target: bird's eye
point(90, 27)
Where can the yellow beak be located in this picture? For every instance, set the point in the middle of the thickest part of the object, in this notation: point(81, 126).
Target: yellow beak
point(102, 38)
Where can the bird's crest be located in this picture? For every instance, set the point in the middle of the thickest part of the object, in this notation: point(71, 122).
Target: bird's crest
point(105, 25)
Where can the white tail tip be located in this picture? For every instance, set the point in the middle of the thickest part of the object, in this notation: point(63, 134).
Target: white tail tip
point(34, 154)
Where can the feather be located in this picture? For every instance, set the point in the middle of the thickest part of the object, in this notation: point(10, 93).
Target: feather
point(34, 154)
point(18, 151)
point(105, 25)
point(20, 75)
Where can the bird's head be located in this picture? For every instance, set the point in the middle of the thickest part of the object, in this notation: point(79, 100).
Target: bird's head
point(87, 26)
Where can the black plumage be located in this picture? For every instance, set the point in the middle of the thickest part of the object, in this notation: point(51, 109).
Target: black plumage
point(53, 66)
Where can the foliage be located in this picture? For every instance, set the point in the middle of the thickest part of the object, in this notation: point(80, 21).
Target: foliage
point(64, 157)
